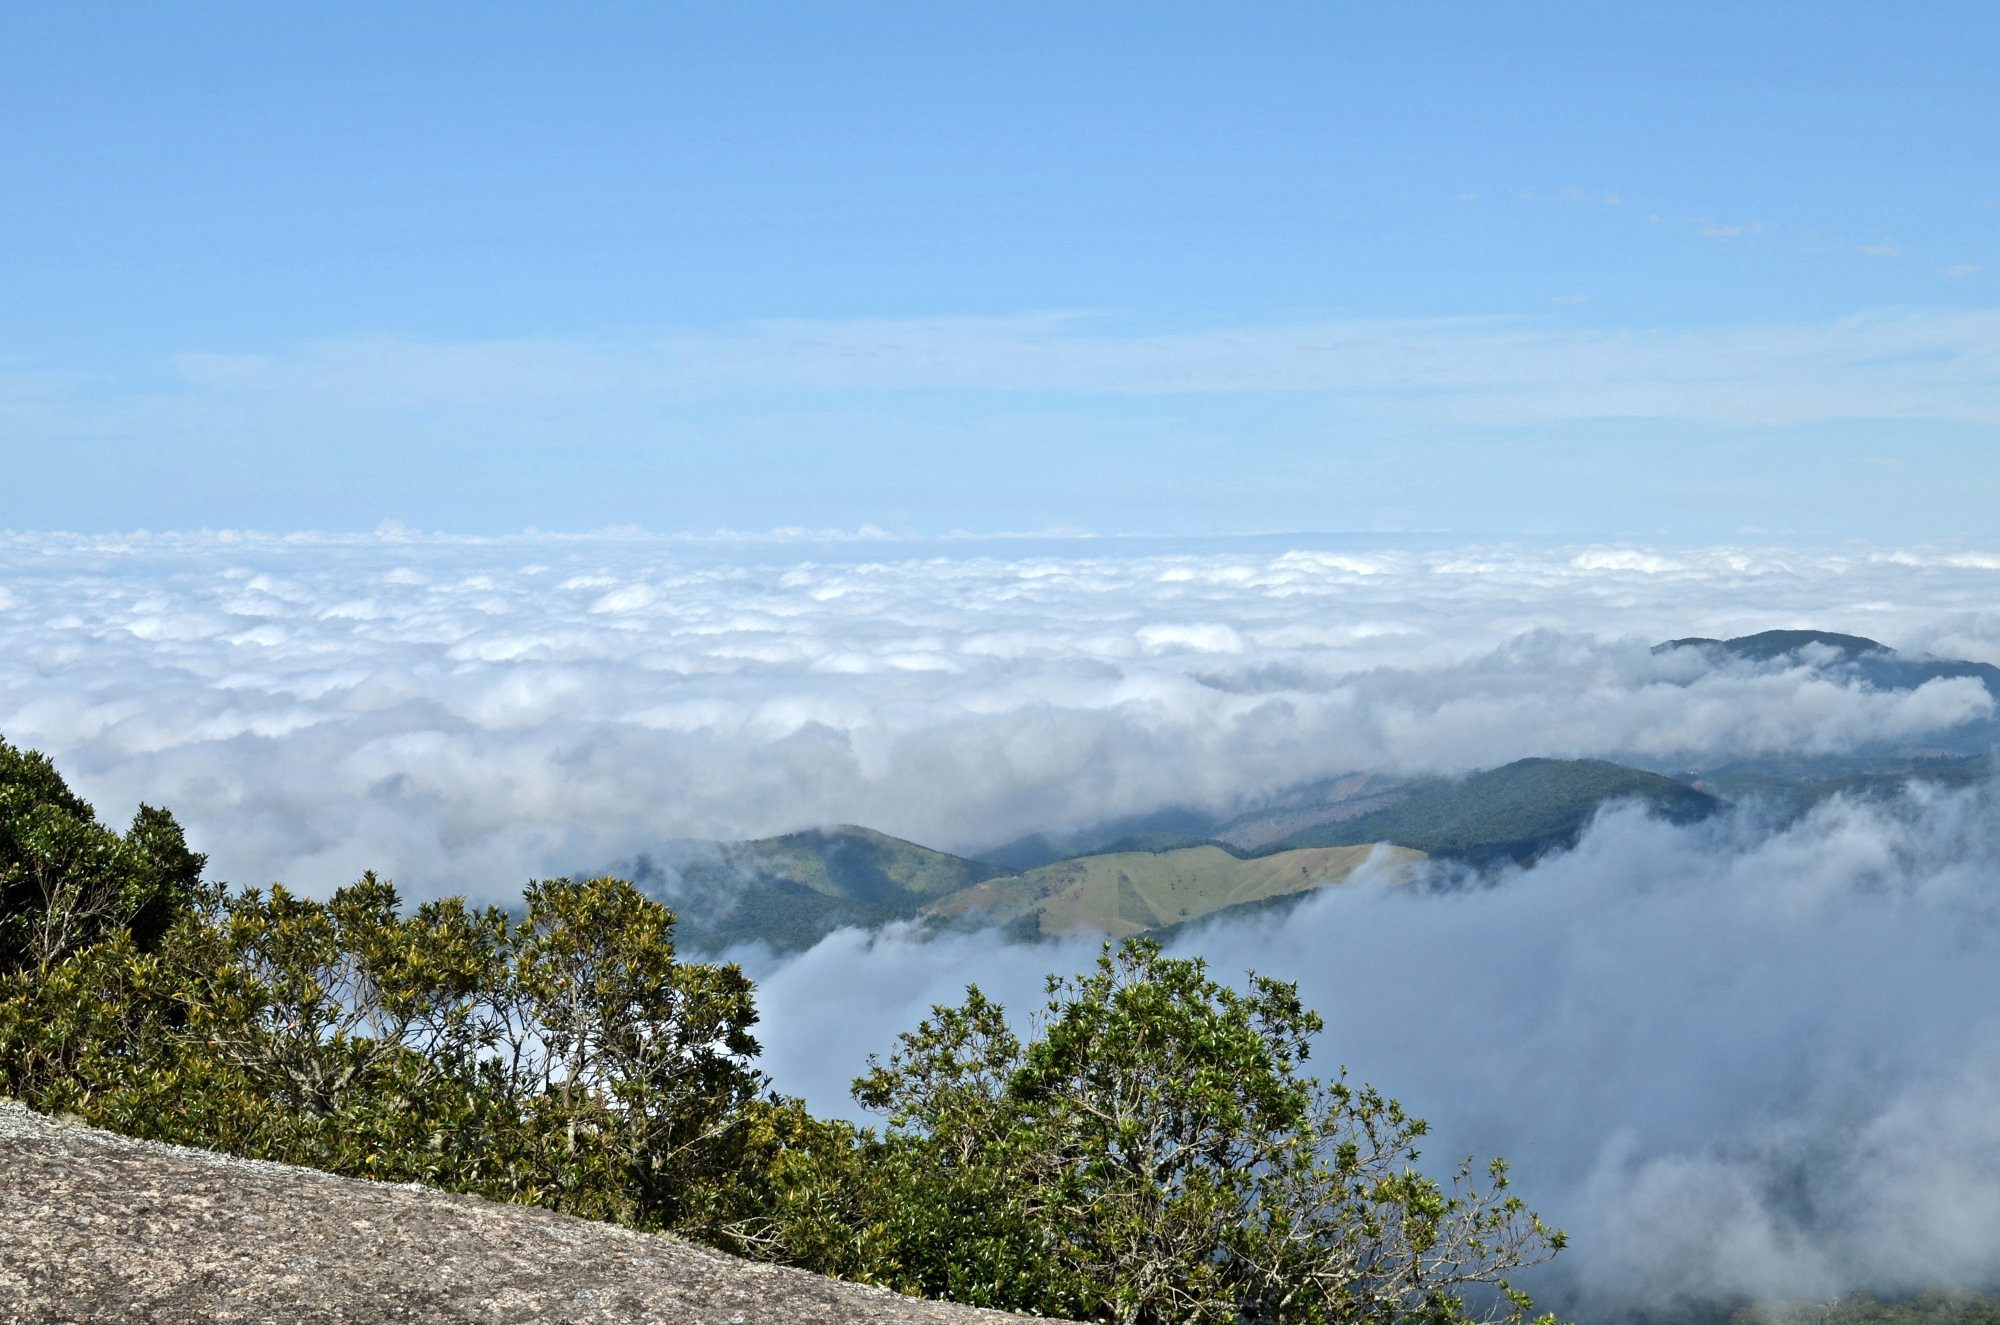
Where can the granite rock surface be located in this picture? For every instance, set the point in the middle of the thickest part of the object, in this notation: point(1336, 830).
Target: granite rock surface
point(96, 1227)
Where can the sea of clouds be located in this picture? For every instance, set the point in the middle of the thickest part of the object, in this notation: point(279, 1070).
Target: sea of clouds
point(1730, 1057)
point(464, 714)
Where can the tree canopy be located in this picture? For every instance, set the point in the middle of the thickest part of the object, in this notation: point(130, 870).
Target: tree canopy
point(1160, 1145)
point(67, 881)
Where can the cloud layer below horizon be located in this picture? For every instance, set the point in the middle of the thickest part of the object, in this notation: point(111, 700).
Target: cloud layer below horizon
point(462, 714)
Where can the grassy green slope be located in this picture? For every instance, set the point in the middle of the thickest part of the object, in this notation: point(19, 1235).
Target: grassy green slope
point(1127, 892)
point(1517, 811)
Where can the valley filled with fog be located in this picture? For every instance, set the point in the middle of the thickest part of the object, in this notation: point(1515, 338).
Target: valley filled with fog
point(1747, 1056)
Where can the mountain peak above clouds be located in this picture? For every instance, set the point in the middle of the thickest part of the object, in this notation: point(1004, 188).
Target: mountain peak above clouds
point(1768, 644)
point(1875, 664)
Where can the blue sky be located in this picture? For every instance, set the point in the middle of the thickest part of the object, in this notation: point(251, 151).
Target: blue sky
point(1701, 271)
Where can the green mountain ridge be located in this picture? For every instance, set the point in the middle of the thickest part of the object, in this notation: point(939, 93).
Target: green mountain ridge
point(794, 889)
point(1771, 644)
point(1164, 830)
point(1166, 871)
point(1516, 812)
point(859, 864)
point(1776, 787)
point(1330, 800)
point(791, 891)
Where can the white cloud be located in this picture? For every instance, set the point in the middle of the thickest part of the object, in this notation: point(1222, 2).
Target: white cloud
point(630, 598)
point(463, 714)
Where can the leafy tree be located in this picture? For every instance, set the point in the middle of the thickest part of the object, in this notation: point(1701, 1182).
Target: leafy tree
point(612, 1058)
point(1162, 1152)
point(67, 881)
point(566, 1059)
point(93, 1022)
point(816, 1192)
point(319, 1003)
point(950, 1166)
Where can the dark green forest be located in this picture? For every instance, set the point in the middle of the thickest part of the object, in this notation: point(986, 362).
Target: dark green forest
point(1516, 812)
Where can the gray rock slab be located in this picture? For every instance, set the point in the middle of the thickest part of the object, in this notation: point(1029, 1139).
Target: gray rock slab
point(96, 1227)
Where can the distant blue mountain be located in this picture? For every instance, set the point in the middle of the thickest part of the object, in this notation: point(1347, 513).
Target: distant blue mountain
point(1769, 644)
point(1864, 659)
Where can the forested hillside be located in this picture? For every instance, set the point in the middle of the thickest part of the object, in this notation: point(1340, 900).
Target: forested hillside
point(1516, 812)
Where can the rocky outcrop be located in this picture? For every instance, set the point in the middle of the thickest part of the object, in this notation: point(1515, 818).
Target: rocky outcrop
point(98, 1227)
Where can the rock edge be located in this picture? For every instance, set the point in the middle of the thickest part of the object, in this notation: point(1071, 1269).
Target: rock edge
point(96, 1227)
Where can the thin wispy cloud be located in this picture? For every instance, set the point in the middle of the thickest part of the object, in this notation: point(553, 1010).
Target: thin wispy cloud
point(1715, 230)
point(1906, 364)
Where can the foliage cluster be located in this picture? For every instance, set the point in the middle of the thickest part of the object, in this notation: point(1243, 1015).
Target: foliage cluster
point(1154, 1153)
point(563, 1059)
point(67, 881)
point(1160, 1154)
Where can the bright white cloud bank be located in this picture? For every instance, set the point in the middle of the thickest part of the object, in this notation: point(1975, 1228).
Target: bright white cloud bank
point(463, 715)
